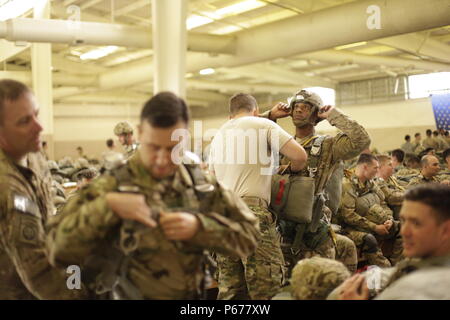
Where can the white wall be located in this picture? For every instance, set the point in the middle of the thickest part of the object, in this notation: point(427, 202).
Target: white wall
point(90, 125)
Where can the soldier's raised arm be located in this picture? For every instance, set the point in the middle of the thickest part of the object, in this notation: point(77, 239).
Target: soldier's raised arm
point(352, 140)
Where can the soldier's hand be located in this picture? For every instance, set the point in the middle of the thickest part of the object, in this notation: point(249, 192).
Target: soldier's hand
point(388, 224)
point(131, 207)
point(381, 229)
point(324, 112)
point(280, 110)
point(446, 182)
point(354, 288)
point(179, 225)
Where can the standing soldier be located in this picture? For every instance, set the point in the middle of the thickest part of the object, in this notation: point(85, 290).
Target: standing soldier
point(259, 276)
point(142, 229)
point(124, 132)
point(25, 202)
point(324, 152)
point(365, 215)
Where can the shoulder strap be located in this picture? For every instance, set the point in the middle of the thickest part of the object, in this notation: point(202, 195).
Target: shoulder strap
point(314, 155)
point(203, 189)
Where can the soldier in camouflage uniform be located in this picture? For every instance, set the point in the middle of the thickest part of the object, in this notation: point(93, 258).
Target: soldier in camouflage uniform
point(124, 131)
point(392, 188)
point(25, 203)
point(428, 173)
point(345, 247)
point(148, 223)
point(444, 174)
point(365, 215)
point(324, 152)
point(424, 274)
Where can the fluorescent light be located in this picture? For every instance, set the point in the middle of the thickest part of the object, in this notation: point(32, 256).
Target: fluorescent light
point(207, 71)
point(240, 7)
point(98, 53)
point(195, 21)
point(351, 45)
point(13, 8)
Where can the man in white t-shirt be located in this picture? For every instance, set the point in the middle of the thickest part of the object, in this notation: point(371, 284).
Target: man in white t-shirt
point(244, 155)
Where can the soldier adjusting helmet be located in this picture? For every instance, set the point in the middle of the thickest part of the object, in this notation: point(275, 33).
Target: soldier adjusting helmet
point(310, 98)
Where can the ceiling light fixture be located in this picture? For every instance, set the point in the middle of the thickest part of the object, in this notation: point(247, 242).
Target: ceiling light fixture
point(14, 8)
point(194, 21)
point(207, 71)
point(239, 7)
point(98, 53)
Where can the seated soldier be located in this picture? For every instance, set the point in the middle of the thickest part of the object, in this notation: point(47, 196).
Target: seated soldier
point(388, 183)
point(364, 214)
point(428, 173)
point(425, 274)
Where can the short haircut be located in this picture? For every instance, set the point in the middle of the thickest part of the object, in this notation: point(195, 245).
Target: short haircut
point(435, 133)
point(242, 102)
point(164, 110)
point(407, 137)
point(382, 159)
point(412, 160)
point(79, 148)
point(424, 159)
point(435, 195)
point(446, 153)
point(416, 135)
point(398, 154)
point(428, 132)
point(109, 143)
point(10, 90)
point(366, 158)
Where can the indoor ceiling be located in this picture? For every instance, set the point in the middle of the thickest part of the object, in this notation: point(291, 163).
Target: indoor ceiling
point(76, 75)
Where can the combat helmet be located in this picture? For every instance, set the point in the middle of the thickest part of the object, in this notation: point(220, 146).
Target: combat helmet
point(123, 127)
point(311, 98)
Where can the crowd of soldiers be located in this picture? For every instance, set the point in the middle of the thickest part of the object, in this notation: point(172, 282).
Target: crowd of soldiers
point(330, 220)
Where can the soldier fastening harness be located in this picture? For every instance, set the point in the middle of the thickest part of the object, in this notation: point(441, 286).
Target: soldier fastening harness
point(107, 268)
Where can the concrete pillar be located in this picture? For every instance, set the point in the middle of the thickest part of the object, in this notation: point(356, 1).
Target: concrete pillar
point(169, 45)
point(41, 65)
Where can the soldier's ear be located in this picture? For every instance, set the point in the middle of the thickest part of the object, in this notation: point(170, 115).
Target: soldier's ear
point(446, 230)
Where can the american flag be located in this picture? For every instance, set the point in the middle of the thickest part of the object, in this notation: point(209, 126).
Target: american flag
point(441, 110)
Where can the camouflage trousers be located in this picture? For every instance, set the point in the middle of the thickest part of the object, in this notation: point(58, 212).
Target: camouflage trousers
point(377, 257)
point(325, 250)
point(261, 275)
point(346, 252)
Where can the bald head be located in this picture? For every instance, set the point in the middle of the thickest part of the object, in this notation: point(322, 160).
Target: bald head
point(430, 166)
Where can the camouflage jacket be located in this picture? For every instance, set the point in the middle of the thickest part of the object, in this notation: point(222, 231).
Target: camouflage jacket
point(159, 268)
point(345, 145)
point(351, 215)
point(392, 189)
point(420, 179)
point(130, 150)
point(25, 206)
point(444, 175)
